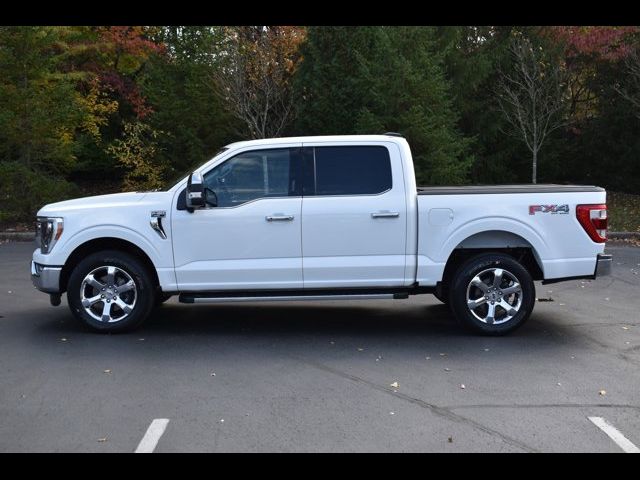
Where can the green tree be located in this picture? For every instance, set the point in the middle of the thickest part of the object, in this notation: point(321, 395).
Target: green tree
point(178, 88)
point(376, 79)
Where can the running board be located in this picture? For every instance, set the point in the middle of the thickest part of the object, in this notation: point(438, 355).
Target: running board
point(222, 298)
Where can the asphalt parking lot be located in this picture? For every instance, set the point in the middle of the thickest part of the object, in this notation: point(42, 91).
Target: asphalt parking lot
point(317, 376)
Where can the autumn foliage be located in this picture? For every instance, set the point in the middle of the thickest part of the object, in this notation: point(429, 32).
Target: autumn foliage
point(97, 109)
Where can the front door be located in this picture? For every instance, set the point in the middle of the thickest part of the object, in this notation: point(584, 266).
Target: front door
point(252, 239)
point(354, 216)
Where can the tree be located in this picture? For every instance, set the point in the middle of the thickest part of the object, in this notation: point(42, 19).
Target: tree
point(177, 86)
point(378, 79)
point(137, 153)
point(254, 78)
point(530, 95)
point(630, 89)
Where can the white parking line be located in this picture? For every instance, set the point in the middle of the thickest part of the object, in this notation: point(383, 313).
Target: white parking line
point(154, 432)
point(614, 434)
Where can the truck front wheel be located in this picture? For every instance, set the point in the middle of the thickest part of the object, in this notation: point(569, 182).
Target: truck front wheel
point(110, 291)
point(492, 294)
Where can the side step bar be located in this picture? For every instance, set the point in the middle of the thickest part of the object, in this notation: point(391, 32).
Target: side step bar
point(231, 298)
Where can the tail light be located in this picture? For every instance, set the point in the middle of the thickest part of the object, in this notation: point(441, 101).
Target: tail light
point(593, 219)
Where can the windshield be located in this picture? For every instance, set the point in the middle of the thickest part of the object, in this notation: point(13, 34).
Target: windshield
point(176, 177)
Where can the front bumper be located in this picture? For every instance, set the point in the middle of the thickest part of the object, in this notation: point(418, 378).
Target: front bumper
point(603, 265)
point(46, 278)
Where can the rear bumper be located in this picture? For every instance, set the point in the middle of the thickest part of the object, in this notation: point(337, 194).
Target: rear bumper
point(45, 278)
point(603, 265)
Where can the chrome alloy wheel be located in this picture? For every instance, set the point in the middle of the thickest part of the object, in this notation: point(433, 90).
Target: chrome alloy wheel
point(108, 294)
point(494, 296)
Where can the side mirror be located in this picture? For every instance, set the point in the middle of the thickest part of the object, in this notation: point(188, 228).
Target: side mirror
point(195, 192)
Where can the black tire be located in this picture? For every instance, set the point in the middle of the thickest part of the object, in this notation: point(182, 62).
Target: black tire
point(484, 264)
point(144, 292)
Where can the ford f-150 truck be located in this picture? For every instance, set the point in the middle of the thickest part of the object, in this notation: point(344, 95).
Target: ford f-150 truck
point(311, 218)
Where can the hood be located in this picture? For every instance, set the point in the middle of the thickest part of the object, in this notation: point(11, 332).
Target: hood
point(90, 203)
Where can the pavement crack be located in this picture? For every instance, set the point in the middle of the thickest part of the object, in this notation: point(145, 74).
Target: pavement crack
point(438, 410)
point(545, 405)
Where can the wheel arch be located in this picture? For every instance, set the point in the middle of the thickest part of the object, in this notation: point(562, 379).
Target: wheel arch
point(493, 241)
point(106, 243)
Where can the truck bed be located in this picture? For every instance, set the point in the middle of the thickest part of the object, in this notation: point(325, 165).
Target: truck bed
point(498, 189)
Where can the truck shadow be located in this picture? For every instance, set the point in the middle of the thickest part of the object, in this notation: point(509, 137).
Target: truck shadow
point(288, 320)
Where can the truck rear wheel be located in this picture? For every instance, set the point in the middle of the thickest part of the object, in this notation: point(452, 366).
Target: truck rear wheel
point(110, 291)
point(492, 294)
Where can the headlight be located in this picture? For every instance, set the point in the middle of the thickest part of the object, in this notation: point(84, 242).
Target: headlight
point(48, 231)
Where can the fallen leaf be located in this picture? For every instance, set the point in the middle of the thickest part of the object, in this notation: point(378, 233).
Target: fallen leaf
point(559, 384)
point(450, 440)
point(360, 349)
point(607, 299)
point(561, 304)
point(447, 369)
point(141, 339)
point(102, 440)
point(602, 393)
point(462, 386)
point(63, 339)
point(443, 354)
point(392, 413)
point(332, 343)
point(107, 371)
point(395, 385)
point(222, 420)
point(486, 349)
point(625, 328)
point(427, 358)
point(213, 374)
point(9, 291)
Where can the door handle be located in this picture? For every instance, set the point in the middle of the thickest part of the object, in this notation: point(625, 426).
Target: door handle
point(279, 218)
point(385, 215)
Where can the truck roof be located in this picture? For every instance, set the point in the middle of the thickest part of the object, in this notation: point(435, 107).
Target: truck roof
point(321, 138)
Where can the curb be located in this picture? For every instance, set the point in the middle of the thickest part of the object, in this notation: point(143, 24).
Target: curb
point(18, 236)
point(623, 235)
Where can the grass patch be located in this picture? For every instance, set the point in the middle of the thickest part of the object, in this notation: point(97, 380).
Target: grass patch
point(624, 212)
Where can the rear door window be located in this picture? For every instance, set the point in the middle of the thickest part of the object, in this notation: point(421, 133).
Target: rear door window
point(352, 170)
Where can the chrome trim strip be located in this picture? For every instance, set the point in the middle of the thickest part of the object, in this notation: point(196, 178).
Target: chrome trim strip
point(288, 298)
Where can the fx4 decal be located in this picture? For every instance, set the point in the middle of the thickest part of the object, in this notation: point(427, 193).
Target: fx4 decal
point(553, 209)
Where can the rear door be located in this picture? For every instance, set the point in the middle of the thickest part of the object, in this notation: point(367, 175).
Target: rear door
point(354, 216)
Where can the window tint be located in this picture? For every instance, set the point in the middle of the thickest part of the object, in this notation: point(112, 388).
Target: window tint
point(352, 170)
point(251, 175)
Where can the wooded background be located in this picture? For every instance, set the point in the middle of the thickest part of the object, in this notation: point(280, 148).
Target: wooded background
point(89, 110)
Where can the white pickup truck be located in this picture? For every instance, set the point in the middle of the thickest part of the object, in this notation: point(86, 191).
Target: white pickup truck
point(311, 218)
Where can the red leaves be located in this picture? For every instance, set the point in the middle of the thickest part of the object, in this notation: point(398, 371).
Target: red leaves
point(607, 43)
point(131, 40)
point(128, 48)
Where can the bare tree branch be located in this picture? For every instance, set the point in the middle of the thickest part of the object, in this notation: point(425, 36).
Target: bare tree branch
point(630, 90)
point(254, 79)
point(531, 96)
